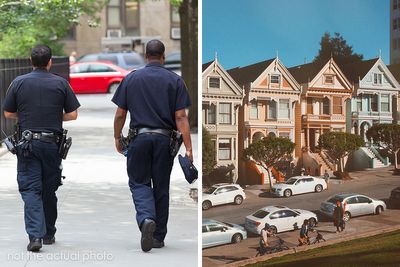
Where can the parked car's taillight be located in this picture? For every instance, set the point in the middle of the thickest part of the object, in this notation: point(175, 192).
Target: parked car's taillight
point(258, 223)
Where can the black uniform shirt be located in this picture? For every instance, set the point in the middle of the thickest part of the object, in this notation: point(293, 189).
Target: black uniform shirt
point(40, 98)
point(152, 95)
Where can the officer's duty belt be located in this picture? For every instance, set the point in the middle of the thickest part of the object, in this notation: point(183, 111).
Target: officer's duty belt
point(46, 137)
point(164, 132)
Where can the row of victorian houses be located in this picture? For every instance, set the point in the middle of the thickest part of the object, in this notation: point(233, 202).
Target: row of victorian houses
point(245, 104)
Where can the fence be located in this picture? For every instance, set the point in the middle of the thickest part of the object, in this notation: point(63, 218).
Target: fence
point(10, 69)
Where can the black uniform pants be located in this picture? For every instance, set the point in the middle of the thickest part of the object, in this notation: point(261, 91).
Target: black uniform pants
point(39, 176)
point(149, 167)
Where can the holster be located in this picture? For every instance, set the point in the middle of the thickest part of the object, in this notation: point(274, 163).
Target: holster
point(175, 142)
point(64, 145)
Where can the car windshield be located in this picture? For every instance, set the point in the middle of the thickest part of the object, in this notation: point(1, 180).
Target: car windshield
point(335, 199)
point(291, 181)
point(260, 214)
point(133, 60)
point(228, 224)
point(210, 190)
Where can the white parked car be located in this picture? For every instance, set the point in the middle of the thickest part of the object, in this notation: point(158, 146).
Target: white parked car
point(280, 219)
point(299, 185)
point(356, 205)
point(219, 194)
point(216, 233)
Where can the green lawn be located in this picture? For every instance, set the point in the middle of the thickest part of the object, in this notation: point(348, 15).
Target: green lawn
point(379, 250)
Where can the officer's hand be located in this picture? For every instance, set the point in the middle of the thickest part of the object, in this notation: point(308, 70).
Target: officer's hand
point(189, 154)
point(118, 145)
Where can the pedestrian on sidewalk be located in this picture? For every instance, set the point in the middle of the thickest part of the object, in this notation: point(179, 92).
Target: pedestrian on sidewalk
point(338, 217)
point(40, 101)
point(326, 178)
point(156, 99)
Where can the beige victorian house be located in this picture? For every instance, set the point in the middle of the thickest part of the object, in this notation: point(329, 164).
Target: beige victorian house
point(325, 92)
point(222, 98)
point(271, 94)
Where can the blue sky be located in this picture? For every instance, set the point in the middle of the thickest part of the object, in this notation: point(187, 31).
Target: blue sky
point(243, 32)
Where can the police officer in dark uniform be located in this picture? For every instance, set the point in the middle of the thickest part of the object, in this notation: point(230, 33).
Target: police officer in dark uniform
point(40, 101)
point(156, 99)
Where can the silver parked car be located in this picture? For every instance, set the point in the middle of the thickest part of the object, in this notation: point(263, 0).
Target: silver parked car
point(355, 205)
point(216, 233)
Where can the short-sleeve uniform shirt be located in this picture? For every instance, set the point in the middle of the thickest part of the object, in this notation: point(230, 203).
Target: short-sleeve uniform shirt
point(40, 98)
point(152, 95)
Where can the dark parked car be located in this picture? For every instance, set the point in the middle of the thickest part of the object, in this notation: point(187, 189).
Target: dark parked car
point(173, 62)
point(394, 199)
point(127, 60)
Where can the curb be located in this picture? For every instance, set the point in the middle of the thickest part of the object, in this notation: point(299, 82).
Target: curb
point(309, 247)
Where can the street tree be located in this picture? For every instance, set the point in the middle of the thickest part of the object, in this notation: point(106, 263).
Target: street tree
point(386, 136)
point(269, 151)
point(337, 48)
point(208, 153)
point(338, 145)
point(25, 23)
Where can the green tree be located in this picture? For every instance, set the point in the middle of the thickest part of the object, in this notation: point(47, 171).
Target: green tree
point(25, 23)
point(338, 145)
point(337, 48)
point(269, 151)
point(208, 153)
point(386, 136)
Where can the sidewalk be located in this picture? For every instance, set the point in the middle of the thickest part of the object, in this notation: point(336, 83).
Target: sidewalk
point(96, 217)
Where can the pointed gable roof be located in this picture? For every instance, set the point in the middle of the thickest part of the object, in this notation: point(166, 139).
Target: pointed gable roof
point(306, 72)
point(356, 71)
point(205, 65)
point(247, 74)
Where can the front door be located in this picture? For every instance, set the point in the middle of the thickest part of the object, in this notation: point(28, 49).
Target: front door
point(312, 140)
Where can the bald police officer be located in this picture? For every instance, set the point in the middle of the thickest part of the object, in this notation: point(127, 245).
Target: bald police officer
point(156, 99)
point(40, 101)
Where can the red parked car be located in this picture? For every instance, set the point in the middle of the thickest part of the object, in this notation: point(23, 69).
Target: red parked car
point(95, 77)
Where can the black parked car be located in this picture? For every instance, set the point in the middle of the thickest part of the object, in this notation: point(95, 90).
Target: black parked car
point(395, 197)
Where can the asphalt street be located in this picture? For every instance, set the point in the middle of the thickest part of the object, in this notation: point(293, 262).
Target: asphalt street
point(376, 183)
point(96, 223)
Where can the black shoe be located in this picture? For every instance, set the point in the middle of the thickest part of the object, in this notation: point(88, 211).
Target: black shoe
point(158, 244)
point(148, 228)
point(34, 245)
point(49, 240)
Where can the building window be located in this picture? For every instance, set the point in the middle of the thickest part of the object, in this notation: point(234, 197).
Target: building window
point(113, 14)
point(271, 110)
point(211, 114)
point(359, 103)
point(385, 103)
point(395, 44)
point(325, 106)
point(275, 79)
point(214, 82)
point(310, 105)
point(131, 17)
point(337, 105)
point(377, 78)
point(394, 4)
point(225, 113)
point(329, 79)
point(395, 24)
point(175, 18)
point(284, 109)
point(374, 103)
point(253, 110)
point(284, 134)
point(224, 149)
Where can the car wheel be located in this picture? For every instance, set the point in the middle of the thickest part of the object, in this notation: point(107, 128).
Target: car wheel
point(113, 88)
point(238, 200)
point(287, 193)
point(318, 188)
point(346, 216)
point(206, 205)
point(237, 238)
point(273, 229)
point(312, 222)
point(378, 210)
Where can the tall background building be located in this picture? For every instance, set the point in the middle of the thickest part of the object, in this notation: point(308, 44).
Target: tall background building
point(127, 25)
point(394, 31)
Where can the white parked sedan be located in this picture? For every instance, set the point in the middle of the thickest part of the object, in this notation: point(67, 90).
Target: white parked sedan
point(356, 205)
point(217, 233)
point(299, 185)
point(280, 219)
point(220, 194)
